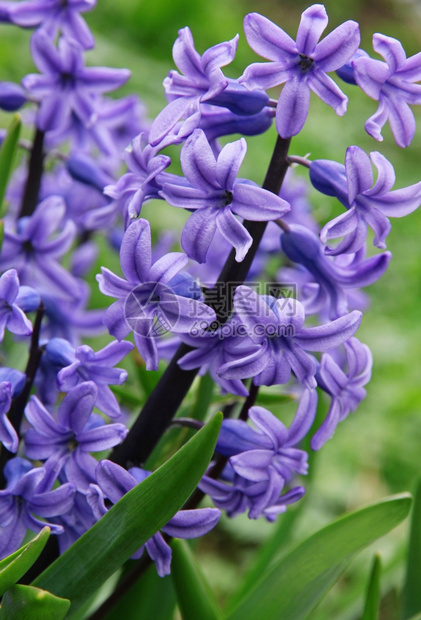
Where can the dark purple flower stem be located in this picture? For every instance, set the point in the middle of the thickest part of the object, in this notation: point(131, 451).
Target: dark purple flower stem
point(19, 402)
point(174, 384)
point(249, 402)
point(35, 170)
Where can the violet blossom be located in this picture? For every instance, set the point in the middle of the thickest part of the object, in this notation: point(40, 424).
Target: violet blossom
point(366, 204)
point(302, 64)
point(215, 194)
point(391, 83)
point(8, 435)
point(12, 297)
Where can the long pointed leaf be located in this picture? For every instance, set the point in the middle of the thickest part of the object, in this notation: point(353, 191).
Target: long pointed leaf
point(7, 155)
point(372, 599)
point(15, 566)
point(131, 522)
point(279, 592)
point(194, 595)
point(412, 590)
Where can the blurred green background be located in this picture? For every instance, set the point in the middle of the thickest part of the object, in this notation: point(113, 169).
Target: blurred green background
point(377, 450)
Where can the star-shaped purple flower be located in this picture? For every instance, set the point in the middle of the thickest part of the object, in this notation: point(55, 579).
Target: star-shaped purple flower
point(66, 89)
point(148, 299)
point(12, 298)
point(277, 325)
point(201, 81)
point(302, 64)
point(70, 437)
point(113, 482)
point(8, 435)
point(54, 16)
point(391, 83)
point(367, 204)
point(215, 194)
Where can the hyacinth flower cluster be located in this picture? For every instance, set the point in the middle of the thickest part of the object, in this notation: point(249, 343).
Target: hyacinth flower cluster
point(70, 446)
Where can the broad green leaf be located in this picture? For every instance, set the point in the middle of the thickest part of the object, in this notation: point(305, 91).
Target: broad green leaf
point(195, 599)
point(279, 592)
point(29, 603)
point(7, 155)
point(203, 397)
point(412, 589)
point(372, 598)
point(16, 565)
point(131, 522)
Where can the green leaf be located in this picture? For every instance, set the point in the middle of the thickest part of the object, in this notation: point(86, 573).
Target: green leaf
point(1, 233)
point(7, 155)
point(279, 592)
point(412, 590)
point(194, 595)
point(131, 522)
point(16, 565)
point(372, 598)
point(29, 603)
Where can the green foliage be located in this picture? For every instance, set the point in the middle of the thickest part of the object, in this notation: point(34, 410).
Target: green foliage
point(372, 599)
point(18, 563)
point(194, 596)
point(131, 522)
point(297, 582)
point(7, 156)
point(29, 603)
point(412, 589)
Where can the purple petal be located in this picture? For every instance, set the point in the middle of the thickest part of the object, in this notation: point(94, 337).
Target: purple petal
point(267, 39)
point(385, 175)
point(304, 417)
point(270, 425)
point(402, 122)
point(198, 162)
point(77, 406)
point(358, 172)
point(229, 163)
point(265, 75)
point(257, 204)
point(331, 334)
point(234, 232)
point(198, 233)
point(313, 22)
point(114, 480)
point(166, 267)
point(338, 47)
point(169, 117)
point(135, 252)
point(192, 523)
point(102, 437)
point(328, 91)
point(112, 285)
point(292, 108)
point(103, 79)
point(148, 350)
point(391, 49)
point(253, 464)
point(370, 75)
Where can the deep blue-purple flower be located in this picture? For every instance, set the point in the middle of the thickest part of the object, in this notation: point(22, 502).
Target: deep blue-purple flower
point(215, 194)
point(302, 64)
point(12, 298)
point(367, 204)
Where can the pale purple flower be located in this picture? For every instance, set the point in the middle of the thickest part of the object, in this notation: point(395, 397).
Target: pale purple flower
point(34, 246)
point(8, 435)
point(367, 204)
point(66, 89)
point(54, 16)
point(277, 325)
point(391, 83)
point(12, 297)
point(85, 364)
point(345, 386)
point(12, 96)
point(201, 81)
point(148, 300)
point(303, 246)
point(113, 482)
point(236, 494)
point(302, 64)
point(27, 497)
point(72, 435)
point(216, 196)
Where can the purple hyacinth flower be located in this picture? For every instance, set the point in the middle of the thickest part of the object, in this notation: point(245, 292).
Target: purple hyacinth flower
point(54, 16)
point(71, 320)
point(302, 65)
point(302, 246)
point(201, 81)
point(85, 364)
point(142, 182)
point(12, 296)
point(277, 325)
point(113, 482)
point(236, 494)
point(27, 497)
point(66, 89)
point(346, 73)
point(346, 388)
point(367, 204)
point(34, 247)
point(69, 437)
point(391, 83)
point(215, 195)
point(8, 435)
point(147, 302)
